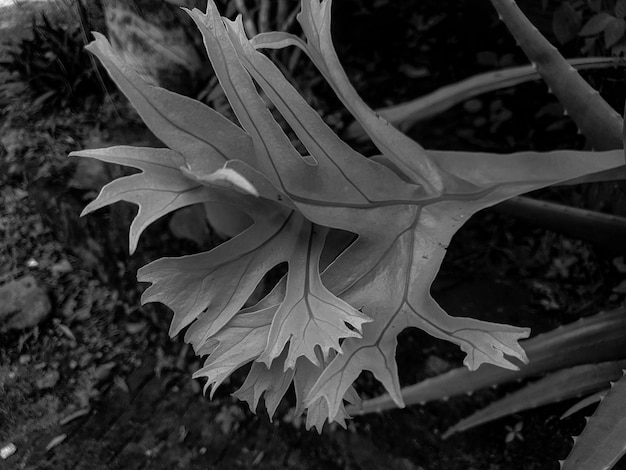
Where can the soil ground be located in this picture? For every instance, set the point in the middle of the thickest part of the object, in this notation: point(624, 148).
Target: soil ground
point(100, 385)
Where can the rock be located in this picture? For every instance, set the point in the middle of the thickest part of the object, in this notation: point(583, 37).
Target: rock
point(23, 304)
point(48, 380)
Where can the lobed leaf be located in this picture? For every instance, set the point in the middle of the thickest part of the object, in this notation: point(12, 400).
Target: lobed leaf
point(403, 209)
point(590, 340)
point(404, 152)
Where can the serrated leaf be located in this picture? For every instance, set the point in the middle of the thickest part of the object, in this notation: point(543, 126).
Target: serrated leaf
point(241, 341)
point(593, 339)
point(614, 31)
point(603, 441)
point(554, 388)
point(596, 24)
point(566, 23)
point(406, 114)
point(584, 403)
point(317, 413)
point(272, 383)
point(310, 317)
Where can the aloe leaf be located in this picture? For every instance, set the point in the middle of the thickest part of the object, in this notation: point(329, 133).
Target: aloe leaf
point(556, 387)
point(603, 441)
point(405, 115)
point(203, 136)
point(584, 403)
point(593, 116)
point(594, 339)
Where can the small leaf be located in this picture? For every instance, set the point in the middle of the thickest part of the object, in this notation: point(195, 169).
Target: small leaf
point(614, 31)
point(566, 23)
point(596, 24)
point(272, 383)
point(241, 341)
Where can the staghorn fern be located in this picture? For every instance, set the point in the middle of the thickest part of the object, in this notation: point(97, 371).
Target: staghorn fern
point(603, 442)
point(323, 323)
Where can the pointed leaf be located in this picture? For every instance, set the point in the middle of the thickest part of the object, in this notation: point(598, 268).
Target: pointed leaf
point(222, 279)
point(241, 341)
point(204, 137)
point(407, 154)
point(603, 441)
point(592, 114)
point(554, 388)
point(584, 403)
point(594, 339)
point(596, 24)
point(270, 383)
point(405, 115)
point(159, 189)
point(310, 317)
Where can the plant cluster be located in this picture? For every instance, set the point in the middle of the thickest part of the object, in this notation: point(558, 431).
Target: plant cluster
point(52, 65)
point(363, 238)
point(602, 24)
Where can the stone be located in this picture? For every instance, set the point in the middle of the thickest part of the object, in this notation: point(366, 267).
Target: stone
point(23, 304)
point(48, 380)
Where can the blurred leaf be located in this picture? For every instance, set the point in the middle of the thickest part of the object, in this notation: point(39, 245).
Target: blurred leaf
point(614, 31)
point(596, 24)
point(566, 23)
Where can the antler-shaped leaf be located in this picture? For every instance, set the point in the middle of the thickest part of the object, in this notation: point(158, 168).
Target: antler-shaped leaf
point(162, 186)
point(593, 339)
point(402, 229)
point(405, 153)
